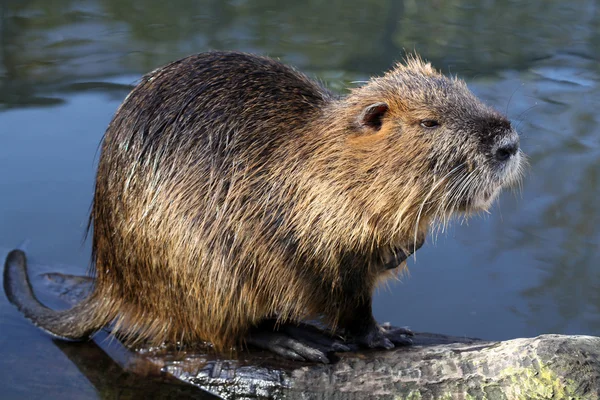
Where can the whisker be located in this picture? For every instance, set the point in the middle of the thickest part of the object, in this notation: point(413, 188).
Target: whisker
point(519, 118)
point(445, 206)
point(435, 186)
point(460, 187)
point(442, 212)
point(510, 98)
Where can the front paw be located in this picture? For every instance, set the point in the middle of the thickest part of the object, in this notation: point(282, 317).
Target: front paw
point(393, 256)
point(398, 336)
point(384, 337)
point(375, 339)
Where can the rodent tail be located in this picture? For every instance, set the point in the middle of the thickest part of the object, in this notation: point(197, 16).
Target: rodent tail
point(77, 323)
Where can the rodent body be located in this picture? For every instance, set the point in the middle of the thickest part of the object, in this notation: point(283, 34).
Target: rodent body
point(233, 189)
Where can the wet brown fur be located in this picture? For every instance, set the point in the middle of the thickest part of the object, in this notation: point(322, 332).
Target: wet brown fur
point(232, 188)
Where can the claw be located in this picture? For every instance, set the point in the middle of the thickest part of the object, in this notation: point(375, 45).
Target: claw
point(392, 330)
point(385, 343)
point(298, 342)
point(385, 337)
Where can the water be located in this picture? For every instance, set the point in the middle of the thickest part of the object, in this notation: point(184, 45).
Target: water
point(531, 267)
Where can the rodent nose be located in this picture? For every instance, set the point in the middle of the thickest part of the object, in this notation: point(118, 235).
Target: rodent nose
point(506, 151)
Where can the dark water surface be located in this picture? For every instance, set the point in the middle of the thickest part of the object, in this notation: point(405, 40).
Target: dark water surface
point(530, 267)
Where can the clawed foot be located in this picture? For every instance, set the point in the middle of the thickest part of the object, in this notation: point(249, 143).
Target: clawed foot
point(385, 337)
point(299, 342)
point(304, 342)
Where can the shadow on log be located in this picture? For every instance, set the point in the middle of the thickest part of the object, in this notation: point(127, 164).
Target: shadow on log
point(437, 366)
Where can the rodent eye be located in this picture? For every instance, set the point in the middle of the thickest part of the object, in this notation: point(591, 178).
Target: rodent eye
point(429, 123)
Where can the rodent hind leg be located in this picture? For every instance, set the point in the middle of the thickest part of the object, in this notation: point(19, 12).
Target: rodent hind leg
point(299, 341)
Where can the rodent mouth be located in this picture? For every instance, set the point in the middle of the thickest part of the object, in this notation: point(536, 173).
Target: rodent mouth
point(488, 187)
point(475, 186)
point(480, 201)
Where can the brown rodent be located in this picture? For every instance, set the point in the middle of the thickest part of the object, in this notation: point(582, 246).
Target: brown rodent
point(232, 189)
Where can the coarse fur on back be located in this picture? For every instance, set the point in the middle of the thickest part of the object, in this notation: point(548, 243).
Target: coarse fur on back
point(231, 188)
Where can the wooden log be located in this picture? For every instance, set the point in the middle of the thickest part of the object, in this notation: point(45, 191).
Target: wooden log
point(436, 367)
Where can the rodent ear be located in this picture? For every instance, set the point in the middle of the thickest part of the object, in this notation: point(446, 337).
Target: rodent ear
point(371, 117)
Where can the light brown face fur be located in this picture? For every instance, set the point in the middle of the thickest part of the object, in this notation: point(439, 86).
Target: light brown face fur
point(412, 174)
point(232, 188)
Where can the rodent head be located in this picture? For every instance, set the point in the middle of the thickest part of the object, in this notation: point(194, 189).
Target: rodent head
point(425, 147)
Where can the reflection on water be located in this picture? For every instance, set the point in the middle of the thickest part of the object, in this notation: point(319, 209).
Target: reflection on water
point(528, 268)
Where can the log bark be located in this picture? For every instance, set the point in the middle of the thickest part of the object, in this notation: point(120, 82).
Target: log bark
point(436, 367)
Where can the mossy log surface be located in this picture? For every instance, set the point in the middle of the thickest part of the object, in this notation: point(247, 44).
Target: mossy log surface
point(436, 367)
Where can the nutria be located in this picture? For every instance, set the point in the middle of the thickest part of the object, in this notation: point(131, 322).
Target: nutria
point(233, 191)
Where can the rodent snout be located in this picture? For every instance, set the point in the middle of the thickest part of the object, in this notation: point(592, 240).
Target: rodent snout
point(507, 150)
